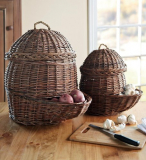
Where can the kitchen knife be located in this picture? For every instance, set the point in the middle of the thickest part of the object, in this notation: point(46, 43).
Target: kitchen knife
point(118, 136)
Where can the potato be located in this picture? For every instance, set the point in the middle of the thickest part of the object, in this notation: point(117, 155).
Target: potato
point(54, 100)
point(77, 95)
point(66, 98)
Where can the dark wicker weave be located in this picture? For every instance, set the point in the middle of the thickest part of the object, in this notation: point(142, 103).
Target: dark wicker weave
point(102, 77)
point(42, 65)
point(107, 105)
point(103, 61)
point(29, 111)
point(102, 73)
point(96, 84)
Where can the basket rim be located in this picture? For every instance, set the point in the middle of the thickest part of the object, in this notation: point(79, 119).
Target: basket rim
point(117, 95)
point(45, 101)
point(50, 53)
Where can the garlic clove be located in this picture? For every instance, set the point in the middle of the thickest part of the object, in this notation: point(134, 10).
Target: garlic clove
point(136, 92)
point(122, 126)
point(130, 92)
point(108, 124)
point(127, 92)
point(131, 119)
point(117, 128)
point(130, 89)
point(122, 119)
point(133, 86)
point(114, 129)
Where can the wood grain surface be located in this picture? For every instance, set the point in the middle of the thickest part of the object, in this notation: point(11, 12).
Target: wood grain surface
point(18, 142)
point(91, 135)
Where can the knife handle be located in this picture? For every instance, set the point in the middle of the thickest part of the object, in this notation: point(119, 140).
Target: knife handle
point(126, 140)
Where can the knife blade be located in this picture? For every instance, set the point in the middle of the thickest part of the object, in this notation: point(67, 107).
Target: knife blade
point(117, 136)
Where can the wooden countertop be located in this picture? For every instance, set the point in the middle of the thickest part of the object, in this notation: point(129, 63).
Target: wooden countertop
point(18, 142)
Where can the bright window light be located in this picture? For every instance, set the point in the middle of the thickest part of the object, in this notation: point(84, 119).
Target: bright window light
point(121, 25)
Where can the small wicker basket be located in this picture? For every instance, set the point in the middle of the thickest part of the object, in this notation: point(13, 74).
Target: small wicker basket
point(107, 105)
point(102, 77)
point(42, 65)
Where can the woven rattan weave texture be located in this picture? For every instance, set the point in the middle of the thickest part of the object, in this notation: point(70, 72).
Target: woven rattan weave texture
point(42, 65)
point(37, 43)
point(104, 61)
point(102, 77)
point(106, 105)
point(29, 111)
point(102, 72)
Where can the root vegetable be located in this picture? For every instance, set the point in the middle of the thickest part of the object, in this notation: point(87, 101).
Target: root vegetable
point(54, 100)
point(66, 98)
point(77, 95)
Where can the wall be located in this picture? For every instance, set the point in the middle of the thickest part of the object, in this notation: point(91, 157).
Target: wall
point(69, 17)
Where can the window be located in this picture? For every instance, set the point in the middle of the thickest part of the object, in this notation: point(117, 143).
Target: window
point(121, 25)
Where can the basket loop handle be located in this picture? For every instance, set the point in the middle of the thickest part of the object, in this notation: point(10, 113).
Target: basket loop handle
point(42, 23)
point(103, 45)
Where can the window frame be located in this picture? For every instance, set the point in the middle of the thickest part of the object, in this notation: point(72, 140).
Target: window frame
point(93, 28)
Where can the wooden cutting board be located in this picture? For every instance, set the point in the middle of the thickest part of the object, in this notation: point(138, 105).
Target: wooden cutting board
point(91, 135)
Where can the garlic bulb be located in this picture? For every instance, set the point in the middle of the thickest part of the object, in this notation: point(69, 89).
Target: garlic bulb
point(117, 128)
point(121, 94)
point(122, 119)
point(130, 89)
point(130, 86)
point(136, 92)
point(131, 119)
point(108, 124)
point(129, 92)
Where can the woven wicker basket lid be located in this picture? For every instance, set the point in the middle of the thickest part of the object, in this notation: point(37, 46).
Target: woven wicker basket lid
point(40, 44)
point(103, 61)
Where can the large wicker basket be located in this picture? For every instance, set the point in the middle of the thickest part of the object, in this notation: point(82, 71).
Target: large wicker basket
point(102, 77)
point(42, 65)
